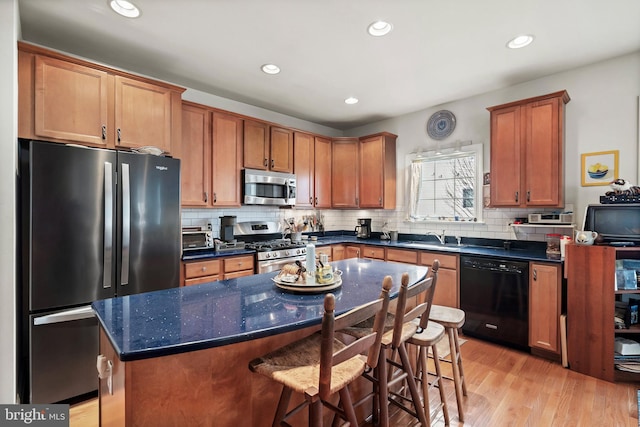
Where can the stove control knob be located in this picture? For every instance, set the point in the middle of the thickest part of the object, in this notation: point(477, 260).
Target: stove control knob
point(267, 255)
point(287, 253)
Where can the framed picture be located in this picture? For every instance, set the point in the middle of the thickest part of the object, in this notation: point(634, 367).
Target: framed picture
point(599, 168)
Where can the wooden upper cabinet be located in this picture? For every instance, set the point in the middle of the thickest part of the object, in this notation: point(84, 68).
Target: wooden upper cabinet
point(281, 150)
point(71, 101)
point(256, 145)
point(196, 148)
point(344, 173)
point(312, 167)
point(226, 160)
point(378, 171)
point(267, 147)
point(142, 114)
point(322, 176)
point(66, 99)
point(527, 150)
point(303, 153)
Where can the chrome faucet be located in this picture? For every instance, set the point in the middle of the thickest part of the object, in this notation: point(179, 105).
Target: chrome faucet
point(440, 237)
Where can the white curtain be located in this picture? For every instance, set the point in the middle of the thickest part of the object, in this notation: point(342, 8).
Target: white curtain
point(415, 179)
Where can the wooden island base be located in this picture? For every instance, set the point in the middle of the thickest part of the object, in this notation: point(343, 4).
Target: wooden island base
point(211, 387)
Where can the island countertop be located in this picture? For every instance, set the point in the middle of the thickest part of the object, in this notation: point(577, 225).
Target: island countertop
point(220, 313)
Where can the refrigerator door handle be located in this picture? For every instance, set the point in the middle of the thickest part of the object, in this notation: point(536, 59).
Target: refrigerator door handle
point(108, 225)
point(126, 224)
point(65, 316)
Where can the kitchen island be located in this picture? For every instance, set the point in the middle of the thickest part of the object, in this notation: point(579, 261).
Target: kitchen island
point(180, 356)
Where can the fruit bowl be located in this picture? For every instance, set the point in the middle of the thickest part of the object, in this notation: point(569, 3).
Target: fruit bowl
point(598, 174)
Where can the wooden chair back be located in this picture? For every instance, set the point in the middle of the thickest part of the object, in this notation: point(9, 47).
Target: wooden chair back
point(367, 344)
point(425, 289)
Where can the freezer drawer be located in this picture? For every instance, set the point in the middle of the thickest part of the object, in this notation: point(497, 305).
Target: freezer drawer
point(63, 348)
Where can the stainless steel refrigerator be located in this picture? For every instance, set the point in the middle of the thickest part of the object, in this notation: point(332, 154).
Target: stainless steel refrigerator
point(95, 224)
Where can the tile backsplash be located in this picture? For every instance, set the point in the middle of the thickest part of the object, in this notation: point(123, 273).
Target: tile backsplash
point(496, 223)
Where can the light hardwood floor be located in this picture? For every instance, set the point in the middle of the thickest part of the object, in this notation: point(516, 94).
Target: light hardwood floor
point(509, 388)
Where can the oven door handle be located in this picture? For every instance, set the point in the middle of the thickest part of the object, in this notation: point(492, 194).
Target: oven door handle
point(267, 266)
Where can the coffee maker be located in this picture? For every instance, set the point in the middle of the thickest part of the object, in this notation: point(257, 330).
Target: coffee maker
point(226, 228)
point(363, 229)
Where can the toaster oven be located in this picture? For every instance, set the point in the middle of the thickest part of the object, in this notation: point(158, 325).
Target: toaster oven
point(194, 238)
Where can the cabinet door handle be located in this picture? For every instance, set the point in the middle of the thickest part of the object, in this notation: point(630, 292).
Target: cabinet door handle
point(310, 200)
point(119, 135)
point(528, 196)
point(516, 196)
point(206, 197)
point(265, 163)
point(356, 201)
point(535, 274)
point(316, 200)
point(104, 132)
point(204, 268)
point(273, 163)
point(215, 198)
point(380, 201)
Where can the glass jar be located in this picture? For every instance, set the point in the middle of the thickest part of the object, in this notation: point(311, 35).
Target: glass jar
point(553, 246)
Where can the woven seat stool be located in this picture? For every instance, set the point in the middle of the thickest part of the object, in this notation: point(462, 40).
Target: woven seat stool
point(321, 365)
point(394, 381)
point(452, 319)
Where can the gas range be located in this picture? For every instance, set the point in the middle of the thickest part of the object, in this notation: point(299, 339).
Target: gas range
point(277, 249)
point(273, 251)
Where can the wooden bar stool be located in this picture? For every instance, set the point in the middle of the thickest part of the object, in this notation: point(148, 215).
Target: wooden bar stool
point(320, 365)
point(427, 336)
point(452, 319)
point(392, 376)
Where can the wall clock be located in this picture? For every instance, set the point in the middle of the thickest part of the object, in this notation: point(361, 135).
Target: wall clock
point(441, 124)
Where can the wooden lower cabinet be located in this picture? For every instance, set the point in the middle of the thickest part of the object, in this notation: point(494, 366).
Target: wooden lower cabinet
point(337, 252)
point(238, 266)
point(545, 284)
point(402, 255)
point(197, 272)
point(211, 270)
point(447, 285)
point(352, 251)
point(372, 252)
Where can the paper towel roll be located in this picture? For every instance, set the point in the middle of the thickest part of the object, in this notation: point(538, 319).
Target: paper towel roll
point(311, 259)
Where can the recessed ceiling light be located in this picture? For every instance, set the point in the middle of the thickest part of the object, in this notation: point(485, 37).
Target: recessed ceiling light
point(379, 28)
point(520, 41)
point(125, 8)
point(271, 68)
point(351, 100)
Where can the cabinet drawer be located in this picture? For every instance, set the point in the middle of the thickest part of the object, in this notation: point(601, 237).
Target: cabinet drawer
point(201, 268)
point(446, 261)
point(372, 252)
point(402, 255)
point(236, 274)
point(203, 279)
point(238, 263)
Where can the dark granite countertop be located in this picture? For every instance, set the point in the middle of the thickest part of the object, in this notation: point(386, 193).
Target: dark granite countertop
point(214, 314)
point(519, 250)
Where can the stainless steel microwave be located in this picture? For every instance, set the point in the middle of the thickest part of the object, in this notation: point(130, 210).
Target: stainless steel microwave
point(268, 188)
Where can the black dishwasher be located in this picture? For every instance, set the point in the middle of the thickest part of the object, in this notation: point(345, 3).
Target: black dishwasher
point(494, 294)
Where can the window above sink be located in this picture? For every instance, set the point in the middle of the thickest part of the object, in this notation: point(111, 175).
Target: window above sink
point(446, 187)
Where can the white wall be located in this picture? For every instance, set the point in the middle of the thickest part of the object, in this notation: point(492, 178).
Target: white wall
point(8, 136)
point(602, 115)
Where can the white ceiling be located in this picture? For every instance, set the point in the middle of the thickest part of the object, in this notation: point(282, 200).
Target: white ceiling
point(438, 51)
